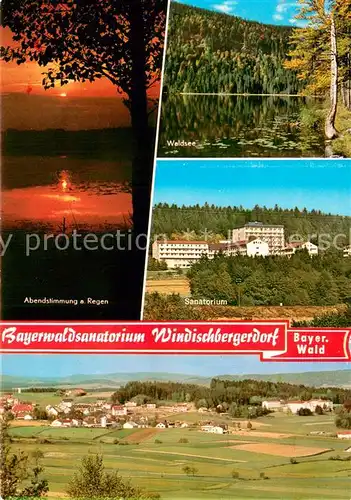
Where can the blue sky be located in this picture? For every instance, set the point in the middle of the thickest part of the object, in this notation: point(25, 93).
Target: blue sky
point(61, 365)
point(320, 184)
point(280, 12)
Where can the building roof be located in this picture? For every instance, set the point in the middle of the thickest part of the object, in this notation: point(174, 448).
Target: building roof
point(22, 407)
point(227, 246)
point(297, 402)
point(183, 242)
point(298, 244)
point(261, 224)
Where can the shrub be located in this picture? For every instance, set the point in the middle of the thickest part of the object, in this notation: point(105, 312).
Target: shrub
point(93, 481)
point(190, 470)
point(183, 440)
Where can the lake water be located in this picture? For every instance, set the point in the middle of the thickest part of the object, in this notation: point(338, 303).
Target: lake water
point(59, 194)
point(237, 126)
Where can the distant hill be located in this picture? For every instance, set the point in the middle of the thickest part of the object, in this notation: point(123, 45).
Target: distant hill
point(38, 112)
point(215, 52)
point(336, 378)
point(103, 380)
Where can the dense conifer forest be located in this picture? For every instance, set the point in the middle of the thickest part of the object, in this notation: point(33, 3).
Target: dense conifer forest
point(214, 52)
point(270, 281)
point(213, 222)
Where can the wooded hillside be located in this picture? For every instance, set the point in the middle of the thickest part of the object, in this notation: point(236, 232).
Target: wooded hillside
point(211, 220)
point(214, 52)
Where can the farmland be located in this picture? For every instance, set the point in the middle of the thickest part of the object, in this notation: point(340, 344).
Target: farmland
point(263, 458)
point(169, 285)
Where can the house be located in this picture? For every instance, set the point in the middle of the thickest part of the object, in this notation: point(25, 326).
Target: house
point(179, 253)
point(212, 429)
point(344, 435)
point(9, 399)
point(79, 392)
point(67, 422)
point(67, 402)
point(273, 235)
point(130, 425)
point(161, 425)
point(184, 425)
point(21, 409)
point(65, 405)
point(130, 404)
point(295, 406)
point(257, 247)
point(84, 408)
point(274, 405)
point(325, 404)
point(181, 408)
point(89, 422)
point(118, 410)
point(52, 411)
point(254, 247)
point(56, 423)
point(347, 251)
point(291, 248)
point(151, 406)
point(27, 416)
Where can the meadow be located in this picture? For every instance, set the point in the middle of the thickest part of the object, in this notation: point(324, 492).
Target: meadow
point(155, 460)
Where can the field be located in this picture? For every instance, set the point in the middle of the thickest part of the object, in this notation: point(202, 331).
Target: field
point(180, 285)
point(169, 286)
point(262, 458)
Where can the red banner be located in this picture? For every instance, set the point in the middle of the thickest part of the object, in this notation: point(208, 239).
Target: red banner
point(272, 340)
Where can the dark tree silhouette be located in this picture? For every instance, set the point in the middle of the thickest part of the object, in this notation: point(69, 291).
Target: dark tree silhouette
point(85, 40)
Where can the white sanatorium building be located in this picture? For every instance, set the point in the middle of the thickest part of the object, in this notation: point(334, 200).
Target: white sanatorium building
point(272, 234)
point(179, 253)
point(295, 406)
point(182, 254)
point(291, 248)
point(255, 239)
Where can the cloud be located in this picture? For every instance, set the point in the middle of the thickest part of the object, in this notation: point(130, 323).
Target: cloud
point(298, 22)
point(284, 8)
point(227, 7)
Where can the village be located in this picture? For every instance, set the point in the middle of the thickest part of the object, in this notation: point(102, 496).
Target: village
point(71, 411)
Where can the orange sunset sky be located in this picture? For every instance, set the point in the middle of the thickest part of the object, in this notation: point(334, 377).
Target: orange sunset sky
point(21, 78)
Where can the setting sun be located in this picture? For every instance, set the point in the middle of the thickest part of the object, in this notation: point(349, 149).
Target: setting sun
point(63, 94)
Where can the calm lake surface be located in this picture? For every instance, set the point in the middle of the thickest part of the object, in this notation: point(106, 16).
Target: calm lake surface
point(59, 194)
point(237, 126)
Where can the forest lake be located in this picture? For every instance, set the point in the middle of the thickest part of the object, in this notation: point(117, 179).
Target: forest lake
point(227, 125)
